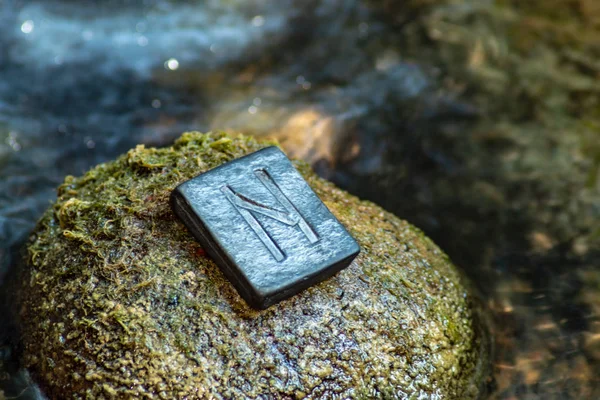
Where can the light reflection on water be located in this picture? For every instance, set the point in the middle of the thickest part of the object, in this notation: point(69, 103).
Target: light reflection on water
point(81, 83)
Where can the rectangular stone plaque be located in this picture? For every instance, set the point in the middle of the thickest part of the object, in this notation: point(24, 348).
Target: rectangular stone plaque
point(264, 226)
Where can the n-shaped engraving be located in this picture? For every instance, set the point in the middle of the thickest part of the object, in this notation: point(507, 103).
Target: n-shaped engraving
point(291, 217)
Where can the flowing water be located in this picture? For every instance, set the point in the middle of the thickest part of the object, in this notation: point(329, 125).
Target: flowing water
point(351, 87)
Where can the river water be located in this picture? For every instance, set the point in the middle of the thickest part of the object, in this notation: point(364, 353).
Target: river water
point(347, 86)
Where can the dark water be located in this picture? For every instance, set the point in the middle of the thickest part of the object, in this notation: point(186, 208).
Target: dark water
point(358, 89)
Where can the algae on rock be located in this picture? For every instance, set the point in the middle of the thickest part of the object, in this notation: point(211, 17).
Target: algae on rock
point(119, 300)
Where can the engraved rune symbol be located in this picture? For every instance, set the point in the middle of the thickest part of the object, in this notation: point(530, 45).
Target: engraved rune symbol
point(248, 207)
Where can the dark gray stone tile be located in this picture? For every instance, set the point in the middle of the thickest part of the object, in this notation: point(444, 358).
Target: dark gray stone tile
point(264, 226)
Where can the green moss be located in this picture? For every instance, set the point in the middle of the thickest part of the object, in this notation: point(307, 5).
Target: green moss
point(119, 300)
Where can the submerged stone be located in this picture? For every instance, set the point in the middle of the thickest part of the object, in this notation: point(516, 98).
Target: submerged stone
point(118, 299)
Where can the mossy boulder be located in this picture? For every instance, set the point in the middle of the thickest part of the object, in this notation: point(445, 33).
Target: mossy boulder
point(118, 300)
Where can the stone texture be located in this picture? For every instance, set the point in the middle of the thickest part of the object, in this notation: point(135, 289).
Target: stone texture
point(261, 223)
point(118, 299)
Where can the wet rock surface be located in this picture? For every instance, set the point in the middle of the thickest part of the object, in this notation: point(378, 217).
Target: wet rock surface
point(119, 299)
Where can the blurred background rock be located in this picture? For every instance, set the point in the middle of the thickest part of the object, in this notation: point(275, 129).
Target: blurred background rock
point(478, 121)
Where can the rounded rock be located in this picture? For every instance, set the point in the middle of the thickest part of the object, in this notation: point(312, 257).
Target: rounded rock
point(118, 300)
